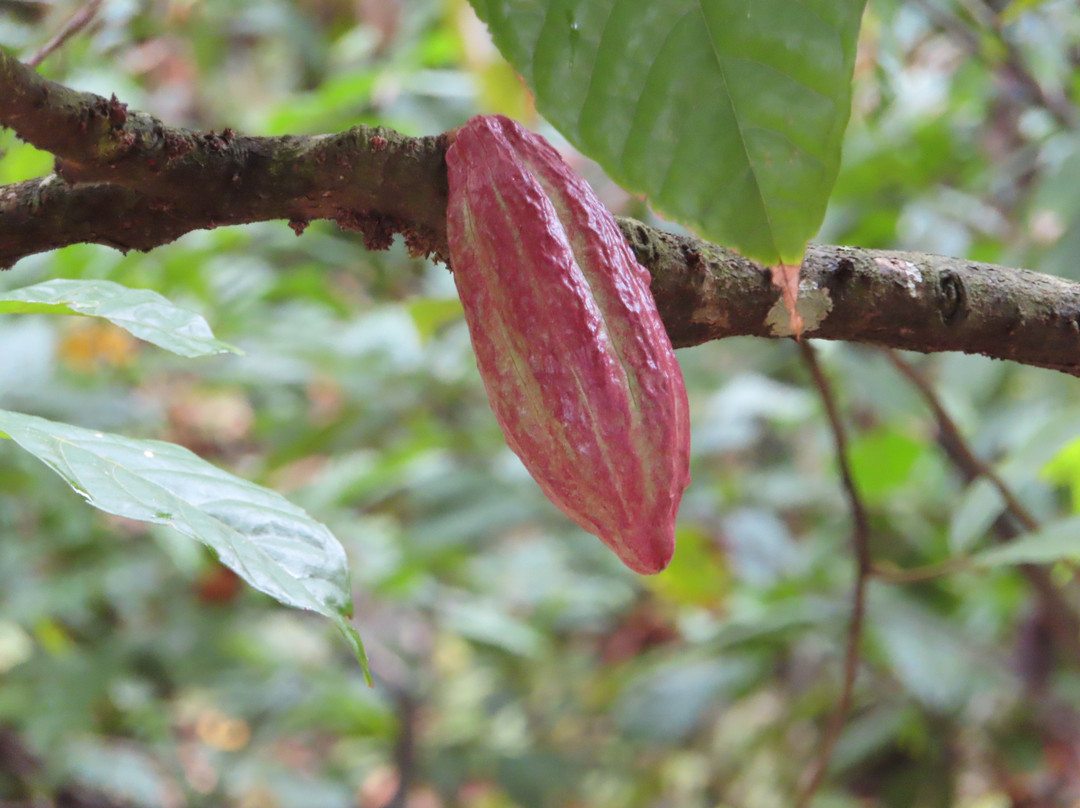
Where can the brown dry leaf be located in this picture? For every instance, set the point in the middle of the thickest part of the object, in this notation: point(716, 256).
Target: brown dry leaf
point(786, 278)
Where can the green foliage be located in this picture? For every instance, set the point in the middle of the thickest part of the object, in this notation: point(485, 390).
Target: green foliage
point(21, 161)
point(727, 114)
point(1057, 541)
point(1022, 469)
point(1064, 469)
point(882, 461)
point(527, 666)
point(143, 313)
point(270, 543)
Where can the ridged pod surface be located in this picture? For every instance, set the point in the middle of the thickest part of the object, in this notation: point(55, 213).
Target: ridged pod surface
point(577, 365)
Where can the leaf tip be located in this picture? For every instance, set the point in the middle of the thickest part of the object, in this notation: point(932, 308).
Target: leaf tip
point(357, 646)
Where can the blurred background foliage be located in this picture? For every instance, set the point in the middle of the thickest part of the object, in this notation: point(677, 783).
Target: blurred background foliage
point(517, 662)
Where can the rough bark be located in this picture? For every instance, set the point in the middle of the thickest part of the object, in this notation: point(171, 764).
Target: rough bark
point(125, 180)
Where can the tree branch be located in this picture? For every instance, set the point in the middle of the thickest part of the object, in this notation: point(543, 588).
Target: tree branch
point(127, 181)
point(165, 181)
point(912, 301)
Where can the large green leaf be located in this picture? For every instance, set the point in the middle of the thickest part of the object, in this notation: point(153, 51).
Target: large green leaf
point(145, 314)
point(271, 543)
point(727, 114)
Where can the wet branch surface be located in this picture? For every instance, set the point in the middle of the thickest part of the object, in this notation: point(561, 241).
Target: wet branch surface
point(126, 180)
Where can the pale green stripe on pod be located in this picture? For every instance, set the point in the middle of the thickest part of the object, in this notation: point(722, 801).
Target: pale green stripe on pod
point(577, 365)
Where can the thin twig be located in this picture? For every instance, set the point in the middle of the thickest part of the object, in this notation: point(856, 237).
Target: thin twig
point(1058, 106)
point(75, 23)
point(949, 433)
point(405, 749)
point(889, 574)
point(861, 544)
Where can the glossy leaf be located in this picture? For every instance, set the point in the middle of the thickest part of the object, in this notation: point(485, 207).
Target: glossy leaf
point(727, 114)
point(269, 542)
point(143, 313)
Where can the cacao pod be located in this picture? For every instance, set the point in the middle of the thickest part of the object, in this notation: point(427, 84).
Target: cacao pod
point(577, 365)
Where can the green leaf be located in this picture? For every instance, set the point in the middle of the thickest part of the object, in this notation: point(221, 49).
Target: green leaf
point(143, 313)
point(1064, 469)
point(21, 161)
point(939, 661)
point(488, 623)
point(1058, 541)
point(666, 704)
point(727, 114)
point(881, 461)
point(698, 574)
point(431, 314)
point(531, 779)
point(981, 504)
point(269, 542)
point(1018, 8)
point(977, 510)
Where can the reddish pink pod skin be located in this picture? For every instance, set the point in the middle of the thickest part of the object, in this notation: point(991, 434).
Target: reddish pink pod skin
point(577, 365)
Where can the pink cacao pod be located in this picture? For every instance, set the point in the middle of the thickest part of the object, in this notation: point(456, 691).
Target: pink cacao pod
point(577, 365)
